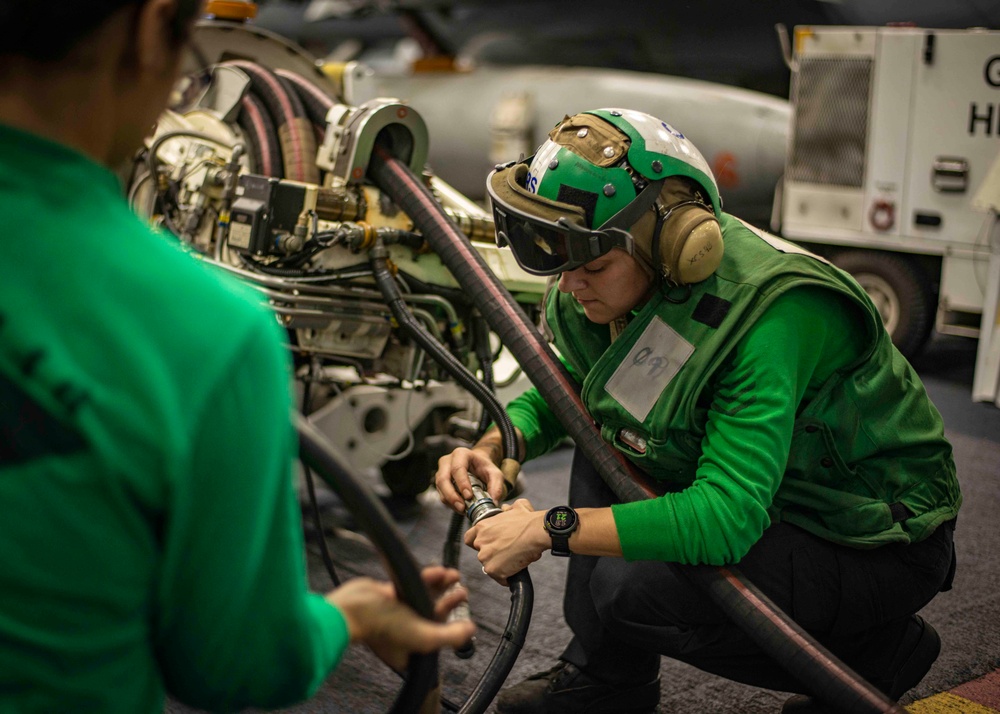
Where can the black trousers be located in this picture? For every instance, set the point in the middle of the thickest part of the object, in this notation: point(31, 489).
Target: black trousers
point(857, 603)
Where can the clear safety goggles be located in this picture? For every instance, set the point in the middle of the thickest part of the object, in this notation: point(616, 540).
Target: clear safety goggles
point(549, 237)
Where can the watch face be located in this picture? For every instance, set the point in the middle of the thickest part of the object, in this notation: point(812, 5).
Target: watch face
point(561, 518)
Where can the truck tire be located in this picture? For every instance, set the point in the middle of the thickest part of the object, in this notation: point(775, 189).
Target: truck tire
point(901, 292)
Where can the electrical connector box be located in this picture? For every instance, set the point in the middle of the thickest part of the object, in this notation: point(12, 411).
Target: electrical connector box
point(266, 210)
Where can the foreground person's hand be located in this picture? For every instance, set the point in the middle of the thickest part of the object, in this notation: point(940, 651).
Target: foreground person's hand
point(376, 616)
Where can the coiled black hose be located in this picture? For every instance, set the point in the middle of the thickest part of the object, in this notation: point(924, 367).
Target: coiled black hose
point(421, 671)
point(295, 133)
point(521, 590)
point(778, 635)
point(261, 135)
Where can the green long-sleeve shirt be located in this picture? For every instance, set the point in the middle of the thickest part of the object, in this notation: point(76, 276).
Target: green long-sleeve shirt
point(781, 362)
point(150, 536)
point(768, 392)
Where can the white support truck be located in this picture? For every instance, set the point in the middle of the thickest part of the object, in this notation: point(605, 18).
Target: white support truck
point(893, 131)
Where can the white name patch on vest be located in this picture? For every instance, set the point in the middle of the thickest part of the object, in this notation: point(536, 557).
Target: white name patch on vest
point(649, 367)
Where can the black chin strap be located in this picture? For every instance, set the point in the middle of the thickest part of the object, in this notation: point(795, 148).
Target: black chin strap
point(661, 218)
point(630, 214)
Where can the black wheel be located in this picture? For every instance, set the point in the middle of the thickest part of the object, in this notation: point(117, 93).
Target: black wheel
point(901, 292)
point(409, 477)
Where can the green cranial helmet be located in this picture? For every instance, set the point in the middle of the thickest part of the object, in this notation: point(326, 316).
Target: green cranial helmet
point(611, 178)
point(586, 159)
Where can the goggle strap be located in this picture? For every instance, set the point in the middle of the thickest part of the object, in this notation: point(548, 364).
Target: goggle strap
point(630, 214)
point(603, 242)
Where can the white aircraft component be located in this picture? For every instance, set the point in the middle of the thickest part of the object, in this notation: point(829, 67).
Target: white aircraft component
point(490, 115)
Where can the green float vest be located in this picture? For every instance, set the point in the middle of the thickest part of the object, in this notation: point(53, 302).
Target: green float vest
point(868, 463)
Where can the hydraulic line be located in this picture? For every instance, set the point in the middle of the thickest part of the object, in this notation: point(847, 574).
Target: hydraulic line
point(521, 590)
point(453, 541)
point(824, 675)
point(484, 354)
point(311, 486)
point(421, 671)
point(295, 133)
point(394, 299)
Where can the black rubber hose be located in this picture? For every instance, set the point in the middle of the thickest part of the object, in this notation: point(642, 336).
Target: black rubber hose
point(778, 635)
point(262, 135)
point(298, 147)
point(453, 540)
point(394, 299)
point(372, 516)
point(250, 140)
point(324, 547)
point(521, 590)
point(456, 526)
point(484, 354)
point(522, 598)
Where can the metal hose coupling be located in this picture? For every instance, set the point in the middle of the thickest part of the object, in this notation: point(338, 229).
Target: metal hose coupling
point(477, 508)
point(481, 505)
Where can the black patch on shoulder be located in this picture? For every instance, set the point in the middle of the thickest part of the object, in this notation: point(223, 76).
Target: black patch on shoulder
point(587, 200)
point(28, 431)
point(711, 310)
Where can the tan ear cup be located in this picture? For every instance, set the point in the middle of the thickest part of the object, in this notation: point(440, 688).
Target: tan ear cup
point(690, 244)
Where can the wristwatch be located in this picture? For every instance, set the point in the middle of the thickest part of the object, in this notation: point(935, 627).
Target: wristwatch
point(560, 522)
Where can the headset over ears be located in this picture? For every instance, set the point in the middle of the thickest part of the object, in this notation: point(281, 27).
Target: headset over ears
point(601, 159)
point(681, 239)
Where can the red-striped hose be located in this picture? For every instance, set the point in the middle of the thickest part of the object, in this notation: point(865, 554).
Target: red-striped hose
point(295, 132)
point(261, 136)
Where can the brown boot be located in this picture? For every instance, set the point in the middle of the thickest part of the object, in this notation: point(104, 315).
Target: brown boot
point(564, 688)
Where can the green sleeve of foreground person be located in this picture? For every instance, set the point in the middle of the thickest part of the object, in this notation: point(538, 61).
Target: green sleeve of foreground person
point(154, 521)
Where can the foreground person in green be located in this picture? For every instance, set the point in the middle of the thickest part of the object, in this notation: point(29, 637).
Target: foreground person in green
point(756, 384)
point(150, 537)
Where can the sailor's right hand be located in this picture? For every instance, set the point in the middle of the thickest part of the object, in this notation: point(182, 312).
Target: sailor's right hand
point(452, 477)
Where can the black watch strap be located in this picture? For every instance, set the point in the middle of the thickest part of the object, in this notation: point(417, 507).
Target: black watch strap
point(560, 544)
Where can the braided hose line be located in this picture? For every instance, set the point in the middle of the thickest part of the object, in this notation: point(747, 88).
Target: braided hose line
point(295, 132)
point(261, 136)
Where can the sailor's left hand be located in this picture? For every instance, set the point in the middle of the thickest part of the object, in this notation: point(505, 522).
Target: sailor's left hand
point(510, 541)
